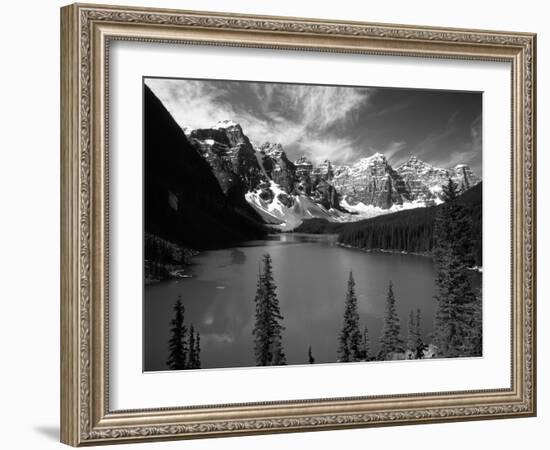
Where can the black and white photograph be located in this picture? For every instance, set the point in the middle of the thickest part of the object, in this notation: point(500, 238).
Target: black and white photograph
point(296, 224)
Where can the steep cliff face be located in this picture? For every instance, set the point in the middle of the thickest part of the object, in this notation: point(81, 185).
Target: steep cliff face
point(277, 166)
point(230, 155)
point(464, 176)
point(316, 182)
point(371, 181)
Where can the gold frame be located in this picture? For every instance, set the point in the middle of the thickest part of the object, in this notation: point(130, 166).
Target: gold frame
point(86, 31)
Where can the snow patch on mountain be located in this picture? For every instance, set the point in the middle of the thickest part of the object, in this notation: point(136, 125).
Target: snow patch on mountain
point(225, 124)
point(283, 217)
point(362, 211)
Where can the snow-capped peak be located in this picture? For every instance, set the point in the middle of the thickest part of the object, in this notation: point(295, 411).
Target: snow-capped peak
point(226, 124)
point(371, 160)
point(378, 155)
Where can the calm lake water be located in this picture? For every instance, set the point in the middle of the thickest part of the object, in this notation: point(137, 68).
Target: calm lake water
point(311, 274)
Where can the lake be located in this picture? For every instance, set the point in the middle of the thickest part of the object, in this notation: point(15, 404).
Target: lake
point(311, 274)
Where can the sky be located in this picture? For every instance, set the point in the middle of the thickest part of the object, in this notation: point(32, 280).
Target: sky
point(339, 123)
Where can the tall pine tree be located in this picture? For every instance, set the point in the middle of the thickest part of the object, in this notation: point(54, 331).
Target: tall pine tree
point(457, 324)
point(177, 359)
point(349, 348)
point(391, 341)
point(267, 332)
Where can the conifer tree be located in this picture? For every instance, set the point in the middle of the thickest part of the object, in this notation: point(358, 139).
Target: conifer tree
point(349, 348)
point(455, 321)
point(267, 331)
point(365, 345)
point(177, 359)
point(390, 341)
point(310, 358)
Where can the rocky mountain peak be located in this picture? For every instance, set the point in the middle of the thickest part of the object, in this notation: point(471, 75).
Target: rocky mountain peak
point(371, 181)
point(233, 131)
point(304, 167)
point(378, 156)
point(326, 169)
point(415, 165)
point(465, 177)
point(303, 160)
point(227, 124)
point(277, 166)
point(273, 149)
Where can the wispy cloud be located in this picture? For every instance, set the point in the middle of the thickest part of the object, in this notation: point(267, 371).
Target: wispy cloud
point(342, 124)
point(192, 103)
point(309, 118)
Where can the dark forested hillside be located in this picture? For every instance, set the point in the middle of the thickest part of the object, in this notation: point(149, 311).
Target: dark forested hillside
point(319, 226)
point(184, 203)
point(411, 230)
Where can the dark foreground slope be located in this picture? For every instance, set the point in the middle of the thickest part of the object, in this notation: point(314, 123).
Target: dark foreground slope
point(410, 230)
point(184, 203)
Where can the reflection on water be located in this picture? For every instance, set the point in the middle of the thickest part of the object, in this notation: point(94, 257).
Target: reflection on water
point(311, 273)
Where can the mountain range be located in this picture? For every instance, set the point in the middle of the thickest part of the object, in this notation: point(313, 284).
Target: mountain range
point(284, 192)
point(212, 187)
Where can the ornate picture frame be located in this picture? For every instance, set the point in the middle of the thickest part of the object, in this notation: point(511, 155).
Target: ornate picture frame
point(86, 34)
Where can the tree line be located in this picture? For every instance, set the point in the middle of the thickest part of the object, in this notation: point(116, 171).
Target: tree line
point(414, 231)
point(458, 318)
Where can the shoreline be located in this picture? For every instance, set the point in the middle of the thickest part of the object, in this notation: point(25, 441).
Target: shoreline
point(173, 271)
point(478, 269)
point(381, 250)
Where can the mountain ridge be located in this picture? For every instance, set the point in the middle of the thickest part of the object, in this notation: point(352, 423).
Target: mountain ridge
point(285, 192)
